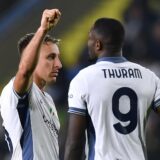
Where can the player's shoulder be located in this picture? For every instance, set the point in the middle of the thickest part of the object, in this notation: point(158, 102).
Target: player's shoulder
point(8, 97)
point(143, 69)
point(81, 77)
point(134, 64)
point(85, 72)
point(8, 87)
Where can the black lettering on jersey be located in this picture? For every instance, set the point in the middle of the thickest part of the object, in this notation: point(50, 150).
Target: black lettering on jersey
point(131, 73)
point(122, 73)
point(138, 73)
point(104, 71)
point(50, 124)
point(111, 73)
point(118, 73)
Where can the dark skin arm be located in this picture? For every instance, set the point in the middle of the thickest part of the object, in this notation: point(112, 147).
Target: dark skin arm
point(158, 111)
point(75, 142)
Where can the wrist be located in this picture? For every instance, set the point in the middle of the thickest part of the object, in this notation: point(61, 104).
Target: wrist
point(42, 30)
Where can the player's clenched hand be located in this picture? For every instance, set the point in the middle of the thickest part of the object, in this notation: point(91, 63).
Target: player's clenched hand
point(50, 18)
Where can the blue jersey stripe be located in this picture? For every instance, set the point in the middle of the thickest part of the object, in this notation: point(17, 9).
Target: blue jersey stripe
point(9, 142)
point(26, 139)
point(91, 138)
point(156, 104)
point(113, 59)
point(77, 111)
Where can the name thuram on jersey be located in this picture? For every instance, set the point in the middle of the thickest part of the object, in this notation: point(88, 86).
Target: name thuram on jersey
point(122, 73)
point(115, 95)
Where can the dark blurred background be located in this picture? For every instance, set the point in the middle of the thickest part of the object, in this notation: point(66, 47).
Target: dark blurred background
point(141, 19)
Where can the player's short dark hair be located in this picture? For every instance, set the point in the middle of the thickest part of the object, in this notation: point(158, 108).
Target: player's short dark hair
point(24, 41)
point(111, 31)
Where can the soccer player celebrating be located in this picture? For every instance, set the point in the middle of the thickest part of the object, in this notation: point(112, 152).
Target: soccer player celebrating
point(111, 100)
point(29, 114)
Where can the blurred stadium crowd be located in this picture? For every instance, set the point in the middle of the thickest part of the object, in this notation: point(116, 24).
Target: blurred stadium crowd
point(141, 19)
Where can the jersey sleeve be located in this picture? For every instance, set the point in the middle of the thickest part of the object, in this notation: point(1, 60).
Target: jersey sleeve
point(156, 101)
point(77, 96)
point(10, 100)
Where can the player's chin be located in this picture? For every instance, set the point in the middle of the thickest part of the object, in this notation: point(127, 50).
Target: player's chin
point(52, 79)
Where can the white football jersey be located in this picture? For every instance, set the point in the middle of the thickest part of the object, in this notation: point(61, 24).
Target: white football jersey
point(31, 124)
point(115, 95)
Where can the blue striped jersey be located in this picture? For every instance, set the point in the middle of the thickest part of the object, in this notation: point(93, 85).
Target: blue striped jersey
point(31, 124)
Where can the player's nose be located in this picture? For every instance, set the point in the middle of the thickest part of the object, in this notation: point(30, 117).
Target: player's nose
point(58, 63)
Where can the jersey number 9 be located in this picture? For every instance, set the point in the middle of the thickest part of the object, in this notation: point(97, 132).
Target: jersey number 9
point(131, 116)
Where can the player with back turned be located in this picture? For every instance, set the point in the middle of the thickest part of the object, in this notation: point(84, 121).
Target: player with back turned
point(29, 115)
point(111, 99)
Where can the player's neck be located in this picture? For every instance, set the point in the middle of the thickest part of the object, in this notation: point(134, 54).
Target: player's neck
point(110, 54)
point(40, 83)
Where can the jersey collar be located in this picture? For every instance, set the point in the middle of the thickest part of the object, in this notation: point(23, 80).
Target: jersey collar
point(113, 59)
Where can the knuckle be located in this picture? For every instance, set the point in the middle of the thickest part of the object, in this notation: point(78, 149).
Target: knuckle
point(45, 11)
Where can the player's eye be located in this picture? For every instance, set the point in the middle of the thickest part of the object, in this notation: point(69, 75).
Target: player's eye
point(51, 57)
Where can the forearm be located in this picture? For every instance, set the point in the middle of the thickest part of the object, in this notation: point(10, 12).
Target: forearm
point(158, 110)
point(31, 52)
point(75, 143)
point(74, 150)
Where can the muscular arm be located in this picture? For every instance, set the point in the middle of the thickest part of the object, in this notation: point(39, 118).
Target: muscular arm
point(75, 142)
point(30, 54)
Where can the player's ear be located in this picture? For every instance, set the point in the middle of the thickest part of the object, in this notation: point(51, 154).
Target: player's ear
point(98, 45)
